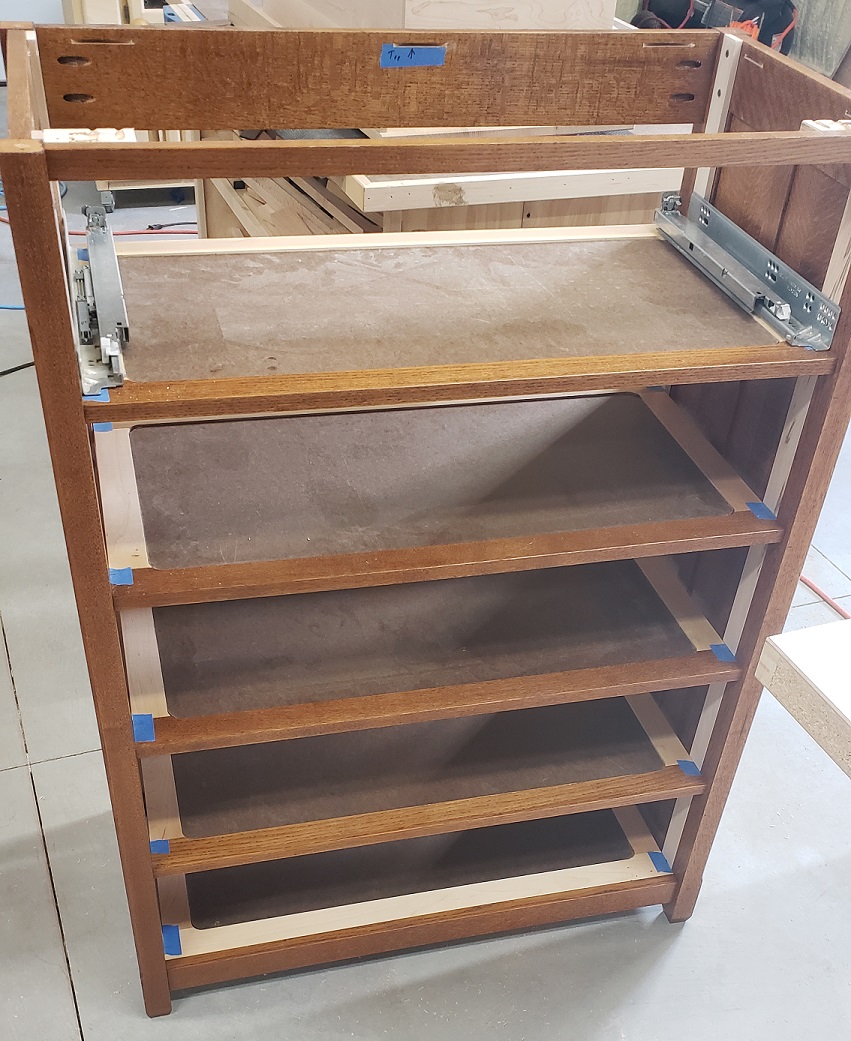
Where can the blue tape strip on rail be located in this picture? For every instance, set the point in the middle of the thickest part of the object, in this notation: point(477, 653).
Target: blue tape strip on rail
point(688, 767)
point(102, 396)
point(143, 726)
point(121, 576)
point(660, 861)
point(101, 428)
point(761, 511)
point(722, 652)
point(160, 846)
point(171, 940)
point(82, 254)
point(393, 57)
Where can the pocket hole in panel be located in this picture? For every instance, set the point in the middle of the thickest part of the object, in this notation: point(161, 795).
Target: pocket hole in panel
point(79, 98)
point(689, 63)
point(74, 59)
point(681, 99)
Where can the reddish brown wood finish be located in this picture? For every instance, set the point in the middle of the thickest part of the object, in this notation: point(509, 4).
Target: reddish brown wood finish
point(231, 729)
point(42, 267)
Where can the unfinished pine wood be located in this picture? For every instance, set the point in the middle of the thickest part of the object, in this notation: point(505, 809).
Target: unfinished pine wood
point(287, 887)
point(420, 306)
point(255, 654)
point(323, 79)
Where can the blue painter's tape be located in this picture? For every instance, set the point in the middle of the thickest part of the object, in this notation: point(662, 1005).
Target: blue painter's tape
point(688, 767)
point(82, 254)
point(143, 726)
point(660, 861)
point(101, 428)
point(761, 511)
point(722, 652)
point(103, 396)
point(121, 576)
point(160, 846)
point(171, 939)
point(393, 57)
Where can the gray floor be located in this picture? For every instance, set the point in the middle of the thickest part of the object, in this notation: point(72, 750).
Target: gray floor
point(765, 957)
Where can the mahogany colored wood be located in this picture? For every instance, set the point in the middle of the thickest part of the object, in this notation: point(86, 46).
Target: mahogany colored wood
point(265, 158)
point(229, 729)
point(292, 840)
point(210, 583)
point(42, 263)
point(212, 398)
point(21, 108)
point(202, 969)
point(334, 79)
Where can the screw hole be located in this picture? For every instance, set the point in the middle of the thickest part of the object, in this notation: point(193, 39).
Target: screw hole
point(74, 59)
point(80, 98)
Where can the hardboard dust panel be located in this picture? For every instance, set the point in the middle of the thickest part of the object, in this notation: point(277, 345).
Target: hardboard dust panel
point(340, 775)
point(302, 486)
point(283, 887)
point(196, 317)
point(260, 653)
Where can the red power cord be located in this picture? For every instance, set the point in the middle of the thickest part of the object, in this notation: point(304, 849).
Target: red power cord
point(840, 610)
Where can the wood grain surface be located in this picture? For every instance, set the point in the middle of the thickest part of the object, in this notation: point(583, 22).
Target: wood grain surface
point(333, 78)
point(254, 847)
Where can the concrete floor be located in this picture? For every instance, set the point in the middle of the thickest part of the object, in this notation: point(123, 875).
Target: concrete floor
point(765, 958)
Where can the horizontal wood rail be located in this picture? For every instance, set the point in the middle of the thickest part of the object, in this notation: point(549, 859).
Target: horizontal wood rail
point(209, 583)
point(275, 956)
point(232, 729)
point(213, 398)
point(237, 159)
point(294, 840)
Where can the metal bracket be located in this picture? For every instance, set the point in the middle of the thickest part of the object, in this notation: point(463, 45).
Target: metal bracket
point(749, 273)
point(102, 325)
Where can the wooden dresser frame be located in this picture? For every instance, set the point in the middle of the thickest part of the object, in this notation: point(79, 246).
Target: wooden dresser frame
point(775, 414)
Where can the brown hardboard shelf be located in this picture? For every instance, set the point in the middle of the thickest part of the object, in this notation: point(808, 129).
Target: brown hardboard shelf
point(417, 630)
point(225, 510)
point(265, 325)
point(268, 669)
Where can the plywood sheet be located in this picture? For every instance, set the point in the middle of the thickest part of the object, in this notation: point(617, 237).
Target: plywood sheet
point(355, 482)
point(322, 311)
point(283, 887)
point(339, 775)
point(246, 654)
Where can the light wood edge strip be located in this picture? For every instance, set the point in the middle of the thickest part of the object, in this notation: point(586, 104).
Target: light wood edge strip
point(254, 847)
point(390, 240)
point(152, 587)
point(729, 55)
point(655, 723)
point(697, 447)
point(176, 735)
point(661, 573)
point(119, 499)
point(291, 927)
point(390, 388)
point(147, 695)
point(209, 159)
point(275, 956)
point(382, 196)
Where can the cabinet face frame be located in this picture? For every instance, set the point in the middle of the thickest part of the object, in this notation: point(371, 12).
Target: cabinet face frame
point(799, 482)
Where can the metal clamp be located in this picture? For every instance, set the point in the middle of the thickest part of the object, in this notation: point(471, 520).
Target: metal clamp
point(749, 273)
point(102, 325)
